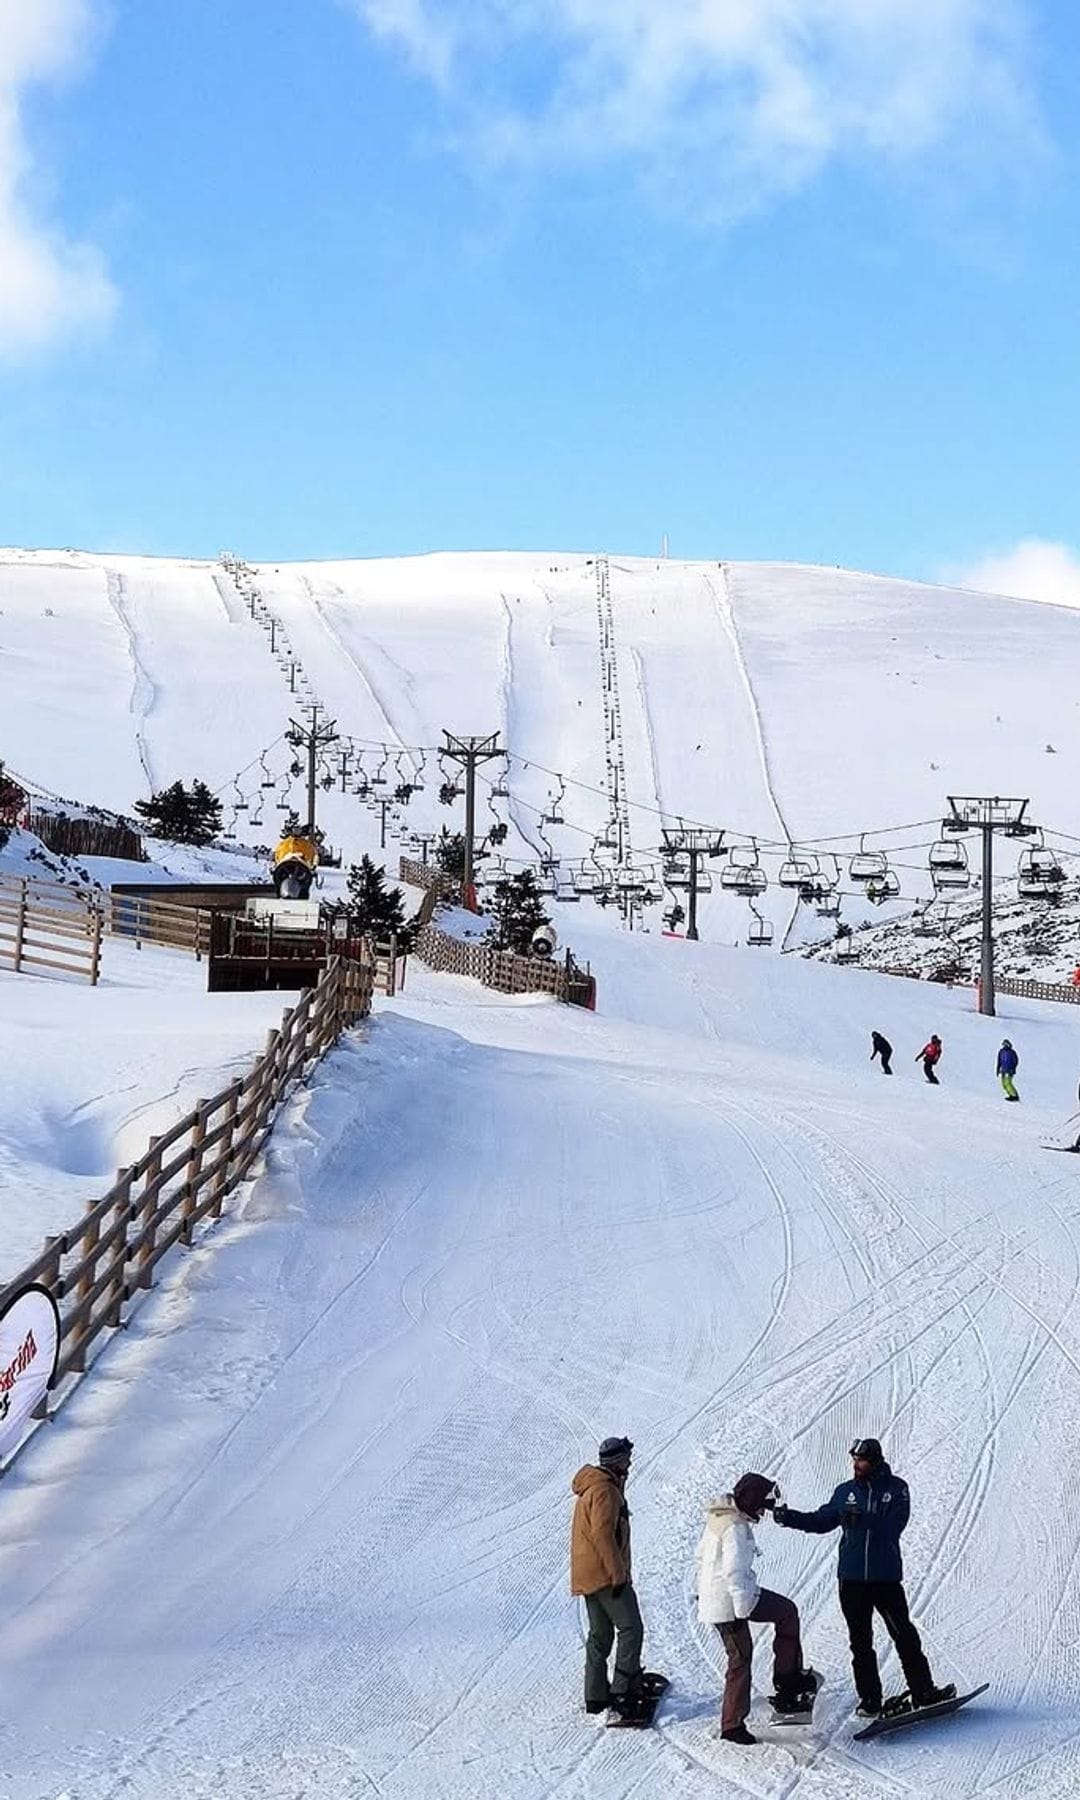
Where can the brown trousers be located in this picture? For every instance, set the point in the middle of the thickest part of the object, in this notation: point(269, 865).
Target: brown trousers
point(771, 1609)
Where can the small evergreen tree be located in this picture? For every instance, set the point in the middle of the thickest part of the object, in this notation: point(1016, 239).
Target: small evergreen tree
point(12, 801)
point(375, 910)
point(183, 815)
point(450, 853)
point(519, 911)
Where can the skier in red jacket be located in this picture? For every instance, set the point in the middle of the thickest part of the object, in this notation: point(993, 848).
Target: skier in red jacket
point(929, 1055)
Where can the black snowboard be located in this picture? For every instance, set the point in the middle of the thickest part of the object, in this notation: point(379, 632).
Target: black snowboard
point(780, 1717)
point(896, 1721)
point(640, 1712)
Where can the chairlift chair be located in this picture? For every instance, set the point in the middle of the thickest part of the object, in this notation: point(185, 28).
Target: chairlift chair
point(795, 873)
point(944, 855)
point(868, 865)
point(749, 883)
point(949, 866)
point(846, 950)
point(760, 932)
point(883, 887)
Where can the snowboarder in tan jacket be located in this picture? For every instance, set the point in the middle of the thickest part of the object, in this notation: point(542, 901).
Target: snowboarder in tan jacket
point(600, 1573)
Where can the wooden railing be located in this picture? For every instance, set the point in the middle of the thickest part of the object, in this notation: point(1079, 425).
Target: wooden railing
point(98, 1268)
point(1025, 989)
point(44, 925)
point(147, 920)
point(502, 969)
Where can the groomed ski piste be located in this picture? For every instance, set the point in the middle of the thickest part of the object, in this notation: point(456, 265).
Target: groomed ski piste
point(304, 1531)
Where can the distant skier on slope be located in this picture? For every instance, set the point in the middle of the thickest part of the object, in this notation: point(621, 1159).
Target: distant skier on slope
point(730, 1597)
point(880, 1046)
point(600, 1574)
point(930, 1056)
point(1007, 1064)
point(872, 1510)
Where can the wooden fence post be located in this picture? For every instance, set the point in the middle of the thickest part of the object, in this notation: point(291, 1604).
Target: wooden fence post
point(145, 1214)
point(87, 1244)
point(20, 926)
point(219, 1186)
point(192, 1171)
point(95, 946)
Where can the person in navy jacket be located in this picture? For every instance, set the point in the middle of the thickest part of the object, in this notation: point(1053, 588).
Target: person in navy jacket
point(1007, 1064)
point(872, 1510)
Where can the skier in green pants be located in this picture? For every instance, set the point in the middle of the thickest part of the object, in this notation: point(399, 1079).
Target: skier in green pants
point(1007, 1064)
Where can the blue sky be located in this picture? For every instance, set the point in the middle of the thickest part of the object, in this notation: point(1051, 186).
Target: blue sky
point(353, 277)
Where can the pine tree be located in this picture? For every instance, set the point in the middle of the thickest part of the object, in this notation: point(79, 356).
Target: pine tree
point(519, 911)
point(12, 801)
point(450, 853)
point(183, 815)
point(375, 910)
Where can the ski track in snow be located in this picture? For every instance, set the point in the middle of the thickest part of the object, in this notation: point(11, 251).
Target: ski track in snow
point(361, 669)
point(725, 614)
point(144, 691)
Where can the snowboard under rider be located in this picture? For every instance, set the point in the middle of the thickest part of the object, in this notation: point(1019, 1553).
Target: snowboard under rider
point(600, 1574)
point(1007, 1064)
point(730, 1597)
point(930, 1056)
point(872, 1510)
point(880, 1046)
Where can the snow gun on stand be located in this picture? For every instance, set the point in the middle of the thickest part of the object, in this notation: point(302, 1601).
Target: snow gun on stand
point(295, 861)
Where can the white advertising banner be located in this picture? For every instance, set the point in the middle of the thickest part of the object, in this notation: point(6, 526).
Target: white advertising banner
point(29, 1346)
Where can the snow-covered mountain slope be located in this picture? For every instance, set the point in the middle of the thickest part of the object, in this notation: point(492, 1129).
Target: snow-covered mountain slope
point(306, 1532)
point(776, 701)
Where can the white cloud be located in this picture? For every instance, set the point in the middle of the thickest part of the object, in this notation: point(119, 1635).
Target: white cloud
point(50, 287)
point(1035, 569)
point(733, 100)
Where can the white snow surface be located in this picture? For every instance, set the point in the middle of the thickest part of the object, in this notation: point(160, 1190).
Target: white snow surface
point(304, 1532)
point(87, 1073)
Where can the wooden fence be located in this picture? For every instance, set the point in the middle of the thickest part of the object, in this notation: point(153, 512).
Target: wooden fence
point(426, 875)
point(44, 925)
point(1024, 989)
point(146, 919)
point(98, 1268)
point(502, 969)
point(84, 834)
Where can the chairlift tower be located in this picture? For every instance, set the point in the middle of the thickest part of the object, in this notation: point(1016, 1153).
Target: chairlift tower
point(470, 752)
point(692, 845)
point(312, 737)
point(987, 814)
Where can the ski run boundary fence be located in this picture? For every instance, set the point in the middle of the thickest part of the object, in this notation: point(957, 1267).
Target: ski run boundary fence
point(99, 1268)
point(46, 926)
point(1020, 987)
point(503, 970)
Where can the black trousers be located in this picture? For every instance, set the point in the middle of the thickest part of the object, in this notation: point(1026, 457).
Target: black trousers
point(859, 1600)
point(928, 1071)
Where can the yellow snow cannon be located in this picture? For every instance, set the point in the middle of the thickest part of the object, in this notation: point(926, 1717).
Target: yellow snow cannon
point(295, 861)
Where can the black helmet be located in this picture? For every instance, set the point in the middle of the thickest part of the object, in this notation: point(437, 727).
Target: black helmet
point(615, 1450)
point(867, 1450)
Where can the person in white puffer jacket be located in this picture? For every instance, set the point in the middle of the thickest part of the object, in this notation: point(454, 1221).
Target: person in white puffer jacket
point(730, 1597)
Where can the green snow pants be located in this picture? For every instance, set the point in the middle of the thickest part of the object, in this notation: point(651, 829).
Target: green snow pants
point(609, 1614)
point(1010, 1088)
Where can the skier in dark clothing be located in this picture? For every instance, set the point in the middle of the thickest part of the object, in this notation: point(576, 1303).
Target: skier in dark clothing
point(930, 1056)
point(1007, 1064)
point(880, 1046)
point(871, 1511)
